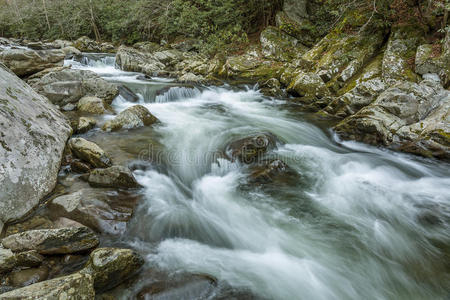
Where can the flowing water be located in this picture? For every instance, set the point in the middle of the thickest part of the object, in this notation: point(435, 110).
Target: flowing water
point(359, 223)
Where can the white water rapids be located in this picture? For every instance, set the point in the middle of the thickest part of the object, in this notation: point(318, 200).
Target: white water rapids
point(360, 223)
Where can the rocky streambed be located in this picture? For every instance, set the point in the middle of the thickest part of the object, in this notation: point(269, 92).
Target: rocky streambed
point(176, 185)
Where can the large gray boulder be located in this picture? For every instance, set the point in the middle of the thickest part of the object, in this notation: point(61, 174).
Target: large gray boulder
point(280, 46)
point(25, 62)
point(408, 116)
point(33, 134)
point(73, 287)
point(70, 85)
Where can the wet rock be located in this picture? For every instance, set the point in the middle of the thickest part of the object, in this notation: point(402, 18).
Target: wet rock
point(271, 171)
point(91, 105)
point(410, 117)
point(400, 53)
point(76, 286)
point(252, 148)
point(110, 266)
point(67, 223)
point(128, 94)
point(7, 260)
point(133, 117)
point(35, 222)
point(99, 209)
point(188, 287)
point(33, 134)
point(85, 124)
point(52, 241)
point(308, 85)
point(279, 46)
point(89, 152)
point(79, 167)
point(25, 62)
point(115, 176)
point(28, 259)
point(272, 88)
point(70, 85)
point(27, 277)
point(71, 51)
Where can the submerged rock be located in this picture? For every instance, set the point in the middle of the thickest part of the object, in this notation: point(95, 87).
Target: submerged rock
point(252, 148)
point(133, 117)
point(25, 62)
point(272, 171)
point(89, 152)
point(109, 267)
point(128, 94)
point(115, 176)
point(75, 286)
point(52, 241)
point(70, 85)
point(33, 134)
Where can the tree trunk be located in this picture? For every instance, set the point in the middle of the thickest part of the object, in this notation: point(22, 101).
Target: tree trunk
point(46, 14)
point(94, 26)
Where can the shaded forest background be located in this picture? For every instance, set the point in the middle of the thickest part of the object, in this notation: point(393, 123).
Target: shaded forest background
point(215, 23)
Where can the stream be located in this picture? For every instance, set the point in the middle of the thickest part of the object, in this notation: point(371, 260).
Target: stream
point(359, 222)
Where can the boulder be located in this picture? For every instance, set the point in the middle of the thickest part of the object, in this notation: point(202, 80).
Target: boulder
point(86, 44)
point(308, 85)
point(89, 152)
point(398, 61)
point(25, 62)
point(109, 267)
point(115, 176)
point(408, 116)
point(25, 277)
point(70, 85)
point(101, 209)
point(35, 222)
point(302, 29)
point(133, 117)
point(92, 105)
point(272, 88)
point(10, 260)
point(252, 148)
point(33, 134)
point(277, 45)
point(52, 241)
point(133, 60)
point(85, 124)
point(75, 286)
point(128, 94)
point(191, 78)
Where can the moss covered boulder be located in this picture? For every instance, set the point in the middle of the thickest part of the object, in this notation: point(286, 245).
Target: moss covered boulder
point(398, 61)
point(92, 105)
point(280, 46)
point(109, 267)
point(308, 85)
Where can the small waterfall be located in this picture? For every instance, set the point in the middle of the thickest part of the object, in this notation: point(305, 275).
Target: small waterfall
point(98, 60)
point(177, 93)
